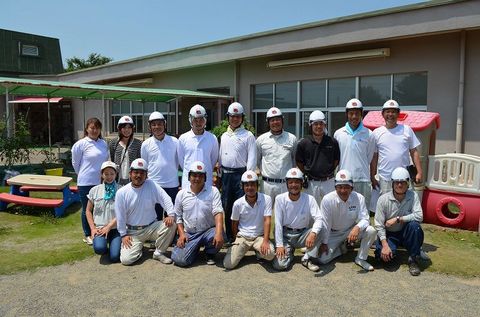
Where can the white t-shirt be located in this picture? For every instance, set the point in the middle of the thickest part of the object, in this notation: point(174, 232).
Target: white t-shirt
point(203, 148)
point(237, 149)
point(162, 160)
point(296, 215)
point(136, 206)
point(356, 152)
point(276, 154)
point(251, 219)
point(342, 215)
point(393, 147)
point(197, 212)
point(87, 158)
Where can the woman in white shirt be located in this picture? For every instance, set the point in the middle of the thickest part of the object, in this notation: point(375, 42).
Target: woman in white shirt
point(101, 214)
point(88, 154)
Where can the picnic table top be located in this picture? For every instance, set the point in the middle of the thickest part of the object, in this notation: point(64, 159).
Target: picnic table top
point(47, 181)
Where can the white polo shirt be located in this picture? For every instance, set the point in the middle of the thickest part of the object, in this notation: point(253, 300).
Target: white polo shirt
point(393, 147)
point(356, 152)
point(296, 215)
point(237, 149)
point(197, 212)
point(87, 158)
point(342, 215)
point(136, 206)
point(203, 148)
point(276, 154)
point(162, 160)
point(251, 219)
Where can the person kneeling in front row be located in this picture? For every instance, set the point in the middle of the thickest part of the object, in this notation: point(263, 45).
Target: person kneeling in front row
point(251, 218)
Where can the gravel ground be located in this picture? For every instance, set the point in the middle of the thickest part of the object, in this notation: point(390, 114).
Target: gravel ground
point(94, 287)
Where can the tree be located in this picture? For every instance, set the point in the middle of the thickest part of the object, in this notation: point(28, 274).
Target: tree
point(94, 59)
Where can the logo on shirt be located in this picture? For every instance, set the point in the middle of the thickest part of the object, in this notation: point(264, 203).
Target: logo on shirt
point(352, 208)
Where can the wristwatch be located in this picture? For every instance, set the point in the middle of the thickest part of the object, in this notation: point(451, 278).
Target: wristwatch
point(398, 219)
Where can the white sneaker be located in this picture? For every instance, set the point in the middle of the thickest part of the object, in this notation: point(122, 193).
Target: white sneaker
point(364, 264)
point(162, 258)
point(88, 240)
point(310, 265)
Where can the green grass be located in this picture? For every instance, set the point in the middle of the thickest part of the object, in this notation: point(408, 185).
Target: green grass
point(31, 238)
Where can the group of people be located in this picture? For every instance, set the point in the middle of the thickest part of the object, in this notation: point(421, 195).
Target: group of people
point(130, 191)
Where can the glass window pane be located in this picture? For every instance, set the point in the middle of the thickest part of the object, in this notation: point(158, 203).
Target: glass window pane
point(410, 89)
point(374, 90)
point(313, 94)
point(289, 122)
point(335, 122)
point(149, 107)
point(162, 107)
point(340, 91)
point(262, 96)
point(114, 123)
point(116, 108)
point(125, 107)
point(286, 95)
point(137, 107)
point(138, 123)
point(260, 122)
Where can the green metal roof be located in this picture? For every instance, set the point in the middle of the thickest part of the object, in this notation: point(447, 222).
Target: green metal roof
point(50, 89)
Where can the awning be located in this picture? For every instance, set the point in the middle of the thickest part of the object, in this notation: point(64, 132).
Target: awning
point(51, 89)
point(36, 100)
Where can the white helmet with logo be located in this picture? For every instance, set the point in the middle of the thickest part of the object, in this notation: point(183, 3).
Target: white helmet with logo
point(294, 173)
point(197, 111)
point(249, 176)
point(390, 104)
point(274, 112)
point(316, 116)
point(400, 174)
point(108, 164)
point(354, 104)
point(139, 164)
point(197, 167)
point(125, 120)
point(343, 177)
point(156, 116)
point(235, 109)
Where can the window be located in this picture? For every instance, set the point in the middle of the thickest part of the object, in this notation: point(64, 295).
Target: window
point(313, 93)
point(263, 96)
point(340, 91)
point(410, 89)
point(375, 90)
point(286, 95)
point(28, 50)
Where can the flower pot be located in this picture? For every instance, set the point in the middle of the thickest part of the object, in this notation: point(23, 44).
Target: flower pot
point(54, 171)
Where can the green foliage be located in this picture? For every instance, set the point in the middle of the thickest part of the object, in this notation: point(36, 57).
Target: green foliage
point(15, 149)
point(222, 127)
point(51, 159)
point(94, 59)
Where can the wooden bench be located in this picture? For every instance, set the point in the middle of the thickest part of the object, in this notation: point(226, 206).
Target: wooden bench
point(73, 189)
point(57, 204)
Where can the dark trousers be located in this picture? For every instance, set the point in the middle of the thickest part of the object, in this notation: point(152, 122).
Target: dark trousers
point(410, 237)
point(172, 192)
point(231, 191)
point(83, 192)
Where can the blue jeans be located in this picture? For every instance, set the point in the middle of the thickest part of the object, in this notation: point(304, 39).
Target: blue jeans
point(231, 191)
point(83, 192)
point(110, 244)
point(188, 254)
point(410, 237)
point(172, 192)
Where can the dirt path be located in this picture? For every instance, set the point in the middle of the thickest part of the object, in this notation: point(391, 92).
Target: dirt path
point(150, 288)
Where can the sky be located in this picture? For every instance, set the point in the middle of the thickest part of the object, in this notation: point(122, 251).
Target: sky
point(123, 29)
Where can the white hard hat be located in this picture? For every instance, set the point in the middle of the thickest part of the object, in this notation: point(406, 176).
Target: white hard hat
point(343, 177)
point(249, 176)
point(108, 164)
point(316, 116)
point(197, 167)
point(390, 104)
point(125, 120)
point(139, 164)
point(400, 174)
point(155, 116)
point(273, 112)
point(294, 173)
point(197, 111)
point(354, 104)
point(235, 109)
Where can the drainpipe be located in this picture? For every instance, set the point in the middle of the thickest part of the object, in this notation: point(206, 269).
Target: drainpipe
point(461, 90)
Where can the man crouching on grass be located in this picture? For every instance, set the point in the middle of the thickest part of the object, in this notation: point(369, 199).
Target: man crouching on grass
point(251, 218)
point(137, 219)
